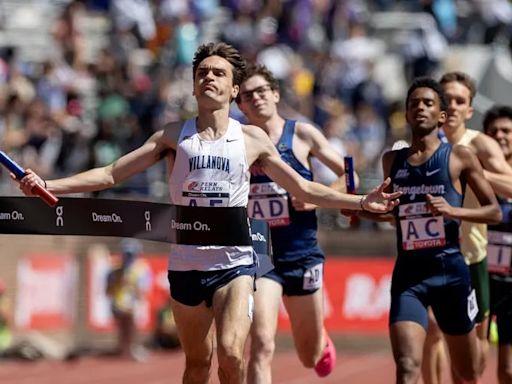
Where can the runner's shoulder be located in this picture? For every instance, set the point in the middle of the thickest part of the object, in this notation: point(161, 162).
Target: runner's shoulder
point(463, 152)
point(253, 132)
point(170, 133)
point(484, 144)
point(306, 131)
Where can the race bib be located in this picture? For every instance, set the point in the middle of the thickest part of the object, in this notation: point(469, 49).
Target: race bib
point(268, 201)
point(251, 307)
point(313, 277)
point(419, 228)
point(472, 305)
point(499, 251)
point(206, 193)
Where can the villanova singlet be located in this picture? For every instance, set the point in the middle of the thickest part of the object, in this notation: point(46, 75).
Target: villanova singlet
point(499, 248)
point(293, 233)
point(419, 232)
point(210, 173)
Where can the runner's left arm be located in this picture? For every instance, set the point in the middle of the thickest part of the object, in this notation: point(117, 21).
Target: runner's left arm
point(266, 154)
point(464, 165)
point(496, 169)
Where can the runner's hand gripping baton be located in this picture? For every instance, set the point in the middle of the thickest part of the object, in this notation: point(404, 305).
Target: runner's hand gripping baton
point(350, 180)
point(19, 172)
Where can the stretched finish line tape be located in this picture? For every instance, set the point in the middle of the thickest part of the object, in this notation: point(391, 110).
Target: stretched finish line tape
point(200, 226)
point(19, 172)
point(223, 226)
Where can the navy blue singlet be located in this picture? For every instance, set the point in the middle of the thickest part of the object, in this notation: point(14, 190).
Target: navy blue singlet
point(293, 232)
point(418, 231)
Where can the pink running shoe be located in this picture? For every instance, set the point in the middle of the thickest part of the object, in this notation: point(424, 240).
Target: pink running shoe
point(327, 362)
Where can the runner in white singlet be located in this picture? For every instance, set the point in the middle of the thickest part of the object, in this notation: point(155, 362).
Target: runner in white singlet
point(210, 174)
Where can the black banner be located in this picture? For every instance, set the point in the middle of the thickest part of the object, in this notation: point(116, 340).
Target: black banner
point(226, 226)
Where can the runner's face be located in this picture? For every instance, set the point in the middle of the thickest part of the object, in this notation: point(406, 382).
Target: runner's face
point(423, 112)
point(257, 99)
point(459, 104)
point(213, 82)
point(501, 131)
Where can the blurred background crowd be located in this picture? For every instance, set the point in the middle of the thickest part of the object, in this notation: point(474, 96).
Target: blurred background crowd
point(84, 81)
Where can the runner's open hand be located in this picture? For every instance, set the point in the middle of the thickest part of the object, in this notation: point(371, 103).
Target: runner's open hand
point(378, 201)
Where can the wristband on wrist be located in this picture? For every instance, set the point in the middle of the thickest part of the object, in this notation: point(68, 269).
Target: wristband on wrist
point(361, 203)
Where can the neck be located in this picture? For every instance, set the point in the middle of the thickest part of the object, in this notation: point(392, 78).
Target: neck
point(215, 120)
point(425, 143)
point(272, 125)
point(454, 134)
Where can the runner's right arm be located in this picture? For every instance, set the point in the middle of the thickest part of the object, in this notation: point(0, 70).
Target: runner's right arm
point(154, 149)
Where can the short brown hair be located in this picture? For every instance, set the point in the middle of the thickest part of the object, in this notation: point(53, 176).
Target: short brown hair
point(225, 51)
point(254, 69)
point(464, 79)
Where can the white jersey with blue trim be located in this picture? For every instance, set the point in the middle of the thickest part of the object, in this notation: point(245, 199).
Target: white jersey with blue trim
point(210, 173)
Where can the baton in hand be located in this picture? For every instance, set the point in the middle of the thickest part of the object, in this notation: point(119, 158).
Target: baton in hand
point(350, 181)
point(48, 197)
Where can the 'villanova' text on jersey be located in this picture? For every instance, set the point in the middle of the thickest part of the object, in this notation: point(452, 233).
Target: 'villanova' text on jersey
point(208, 162)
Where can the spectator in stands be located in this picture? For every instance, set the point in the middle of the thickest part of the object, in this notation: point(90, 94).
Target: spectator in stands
point(134, 16)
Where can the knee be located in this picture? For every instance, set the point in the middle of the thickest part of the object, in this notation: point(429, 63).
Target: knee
point(408, 366)
point(230, 361)
point(262, 347)
point(197, 370)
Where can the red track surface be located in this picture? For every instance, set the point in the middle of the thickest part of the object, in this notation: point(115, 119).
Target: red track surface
point(166, 368)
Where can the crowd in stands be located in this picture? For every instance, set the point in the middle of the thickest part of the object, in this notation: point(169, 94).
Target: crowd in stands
point(84, 104)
